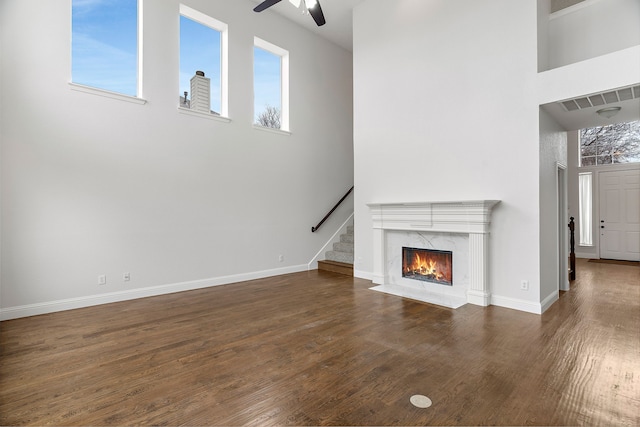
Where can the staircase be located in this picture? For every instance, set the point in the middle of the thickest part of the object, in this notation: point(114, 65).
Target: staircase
point(340, 259)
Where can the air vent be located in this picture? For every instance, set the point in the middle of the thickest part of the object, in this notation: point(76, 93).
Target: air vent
point(570, 106)
point(625, 94)
point(611, 97)
point(598, 99)
point(583, 103)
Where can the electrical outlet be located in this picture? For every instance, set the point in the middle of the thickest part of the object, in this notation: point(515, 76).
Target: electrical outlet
point(126, 277)
point(281, 258)
point(102, 279)
point(524, 285)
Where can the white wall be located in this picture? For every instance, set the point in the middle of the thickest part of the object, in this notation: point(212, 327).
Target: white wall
point(606, 72)
point(445, 109)
point(92, 185)
point(593, 28)
point(553, 153)
point(544, 10)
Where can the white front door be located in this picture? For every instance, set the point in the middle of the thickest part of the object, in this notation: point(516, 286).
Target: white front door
point(620, 215)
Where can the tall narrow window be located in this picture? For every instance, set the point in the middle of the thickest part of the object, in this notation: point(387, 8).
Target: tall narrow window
point(203, 62)
point(585, 187)
point(271, 85)
point(104, 45)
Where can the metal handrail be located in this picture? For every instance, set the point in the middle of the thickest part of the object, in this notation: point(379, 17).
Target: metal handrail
point(314, 229)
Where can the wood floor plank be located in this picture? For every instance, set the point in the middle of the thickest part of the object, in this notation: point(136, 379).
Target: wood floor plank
point(319, 348)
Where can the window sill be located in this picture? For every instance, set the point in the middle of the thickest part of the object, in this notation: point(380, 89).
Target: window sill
point(272, 130)
point(208, 116)
point(107, 94)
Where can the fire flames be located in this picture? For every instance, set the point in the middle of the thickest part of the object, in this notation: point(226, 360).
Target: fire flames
point(427, 266)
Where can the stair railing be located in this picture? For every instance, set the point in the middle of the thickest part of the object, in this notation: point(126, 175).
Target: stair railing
point(314, 229)
point(572, 250)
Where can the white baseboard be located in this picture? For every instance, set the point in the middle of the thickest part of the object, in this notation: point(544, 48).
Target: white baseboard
point(586, 255)
point(549, 300)
point(516, 304)
point(93, 300)
point(367, 275)
point(500, 301)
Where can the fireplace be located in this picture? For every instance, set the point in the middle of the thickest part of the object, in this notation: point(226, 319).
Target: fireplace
point(456, 227)
point(428, 265)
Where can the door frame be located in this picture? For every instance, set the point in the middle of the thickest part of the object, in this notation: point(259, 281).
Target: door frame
point(562, 226)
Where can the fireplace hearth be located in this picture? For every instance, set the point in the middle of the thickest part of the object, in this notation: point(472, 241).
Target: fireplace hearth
point(428, 265)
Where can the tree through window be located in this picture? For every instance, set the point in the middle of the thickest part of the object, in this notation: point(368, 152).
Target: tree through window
point(270, 85)
point(605, 145)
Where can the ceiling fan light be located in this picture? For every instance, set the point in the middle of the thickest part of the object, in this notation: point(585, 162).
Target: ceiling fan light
point(609, 112)
point(310, 3)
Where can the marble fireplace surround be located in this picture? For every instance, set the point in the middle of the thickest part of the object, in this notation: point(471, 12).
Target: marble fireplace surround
point(461, 226)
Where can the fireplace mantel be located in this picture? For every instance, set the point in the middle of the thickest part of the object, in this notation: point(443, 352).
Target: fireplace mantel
point(471, 218)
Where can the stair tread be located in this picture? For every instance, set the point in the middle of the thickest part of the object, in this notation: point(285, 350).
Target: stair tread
point(346, 247)
point(340, 256)
point(346, 238)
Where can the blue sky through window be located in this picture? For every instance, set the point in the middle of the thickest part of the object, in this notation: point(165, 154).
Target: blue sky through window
point(105, 53)
point(105, 44)
point(267, 81)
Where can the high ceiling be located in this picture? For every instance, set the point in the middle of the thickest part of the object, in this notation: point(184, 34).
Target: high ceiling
point(339, 29)
point(338, 13)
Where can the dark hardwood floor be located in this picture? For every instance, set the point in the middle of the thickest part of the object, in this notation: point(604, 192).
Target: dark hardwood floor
point(319, 348)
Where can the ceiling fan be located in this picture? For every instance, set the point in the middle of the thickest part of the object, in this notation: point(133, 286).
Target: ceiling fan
point(312, 6)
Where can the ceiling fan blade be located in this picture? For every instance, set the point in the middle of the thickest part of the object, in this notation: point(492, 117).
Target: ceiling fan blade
point(265, 5)
point(316, 13)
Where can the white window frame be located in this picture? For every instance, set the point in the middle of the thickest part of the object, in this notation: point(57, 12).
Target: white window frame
point(284, 82)
point(138, 98)
point(585, 204)
point(140, 48)
point(223, 29)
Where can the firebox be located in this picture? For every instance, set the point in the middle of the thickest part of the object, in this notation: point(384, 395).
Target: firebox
point(428, 265)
